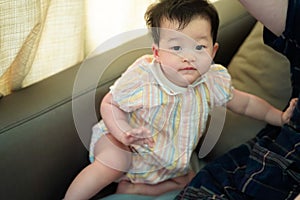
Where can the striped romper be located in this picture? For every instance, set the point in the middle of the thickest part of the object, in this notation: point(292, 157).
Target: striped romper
point(176, 116)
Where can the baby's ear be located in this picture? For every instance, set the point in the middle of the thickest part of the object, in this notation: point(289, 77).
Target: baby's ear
point(155, 51)
point(215, 49)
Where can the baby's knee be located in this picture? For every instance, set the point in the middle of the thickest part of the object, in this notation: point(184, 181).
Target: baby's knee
point(114, 156)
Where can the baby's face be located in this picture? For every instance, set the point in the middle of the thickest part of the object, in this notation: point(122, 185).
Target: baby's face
point(186, 54)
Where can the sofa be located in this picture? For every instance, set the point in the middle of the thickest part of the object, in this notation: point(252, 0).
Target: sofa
point(45, 128)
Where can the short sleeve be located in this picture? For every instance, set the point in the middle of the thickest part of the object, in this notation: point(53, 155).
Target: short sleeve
point(219, 85)
point(128, 90)
point(291, 34)
point(289, 43)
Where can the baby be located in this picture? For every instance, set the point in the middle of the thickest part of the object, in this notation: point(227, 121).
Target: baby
point(155, 114)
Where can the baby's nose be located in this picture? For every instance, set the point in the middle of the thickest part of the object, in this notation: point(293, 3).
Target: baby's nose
point(188, 56)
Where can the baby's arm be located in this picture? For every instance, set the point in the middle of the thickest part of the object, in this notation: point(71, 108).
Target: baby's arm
point(257, 108)
point(116, 121)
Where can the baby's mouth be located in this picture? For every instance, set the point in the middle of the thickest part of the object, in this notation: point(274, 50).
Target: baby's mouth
point(187, 69)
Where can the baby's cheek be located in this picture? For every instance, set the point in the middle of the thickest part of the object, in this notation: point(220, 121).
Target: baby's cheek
point(204, 64)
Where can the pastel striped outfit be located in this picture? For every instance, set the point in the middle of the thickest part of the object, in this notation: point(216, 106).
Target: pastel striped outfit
point(175, 115)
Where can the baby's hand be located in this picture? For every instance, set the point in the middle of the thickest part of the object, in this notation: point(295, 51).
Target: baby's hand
point(287, 114)
point(139, 136)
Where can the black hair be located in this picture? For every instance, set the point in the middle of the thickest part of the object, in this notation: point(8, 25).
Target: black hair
point(182, 11)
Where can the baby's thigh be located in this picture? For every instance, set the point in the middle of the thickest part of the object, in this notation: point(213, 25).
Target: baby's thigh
point(112, 153)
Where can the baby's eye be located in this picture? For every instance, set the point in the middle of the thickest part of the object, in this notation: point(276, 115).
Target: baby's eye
point(176, 48)
point(200, 47)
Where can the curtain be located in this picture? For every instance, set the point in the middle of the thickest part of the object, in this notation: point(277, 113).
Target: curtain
point(39, 38)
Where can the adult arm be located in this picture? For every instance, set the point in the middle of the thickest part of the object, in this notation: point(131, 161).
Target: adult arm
point(271, 13)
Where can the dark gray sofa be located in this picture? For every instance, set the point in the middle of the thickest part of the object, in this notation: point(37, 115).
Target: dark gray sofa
point(40, 147)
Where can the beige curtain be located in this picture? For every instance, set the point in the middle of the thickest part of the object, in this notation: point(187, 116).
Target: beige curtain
point(38, 38)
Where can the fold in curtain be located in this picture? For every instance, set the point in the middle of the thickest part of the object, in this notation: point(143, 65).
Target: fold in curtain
point(38, 38)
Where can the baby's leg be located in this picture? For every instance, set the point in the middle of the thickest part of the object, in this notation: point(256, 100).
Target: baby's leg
point(112, 159)
point(177, 183)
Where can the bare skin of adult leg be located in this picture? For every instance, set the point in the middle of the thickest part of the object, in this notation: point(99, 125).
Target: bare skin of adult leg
point(157, 189)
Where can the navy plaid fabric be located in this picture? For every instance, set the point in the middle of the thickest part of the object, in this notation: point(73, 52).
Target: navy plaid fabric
point(268, 166)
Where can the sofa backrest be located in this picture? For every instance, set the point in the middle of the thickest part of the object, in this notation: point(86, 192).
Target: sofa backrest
point(40, 145)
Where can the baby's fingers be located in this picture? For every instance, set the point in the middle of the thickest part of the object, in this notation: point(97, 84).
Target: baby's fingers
point(143, 142)
point(140, 132)
point(139, 136)
point(147, 137)
point(292, 106)
point(289, 111)
point(293, 102)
